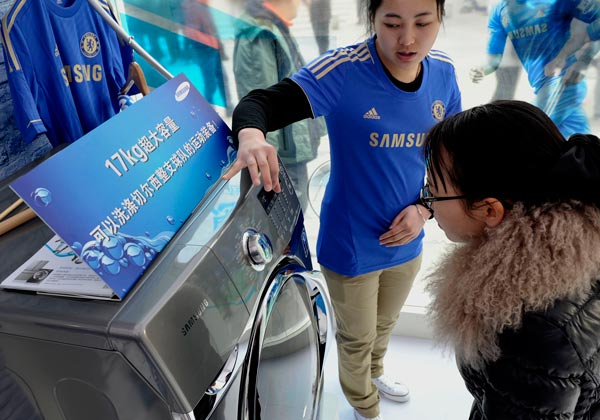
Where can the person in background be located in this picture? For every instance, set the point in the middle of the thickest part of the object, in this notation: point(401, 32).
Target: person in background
point(540, 32)
point(203, 39)
point(379, 98)
point(265, 52)
point(361, 6)
point(519, 299)
point(507, 76)
point(508, 72)
point(320, 18)
point(596, 64)
point(469, 6)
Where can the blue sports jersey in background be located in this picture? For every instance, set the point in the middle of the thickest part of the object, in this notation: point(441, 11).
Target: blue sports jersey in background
point(65, 67)
point(538, 30)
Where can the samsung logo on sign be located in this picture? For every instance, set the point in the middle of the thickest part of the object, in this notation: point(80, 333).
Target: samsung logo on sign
point(182, 91)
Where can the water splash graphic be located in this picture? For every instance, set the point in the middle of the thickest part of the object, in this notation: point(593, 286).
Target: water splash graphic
point(120, 252)
point(42, 197)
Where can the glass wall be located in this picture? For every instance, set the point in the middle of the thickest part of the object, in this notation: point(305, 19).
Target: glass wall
point(198, 37)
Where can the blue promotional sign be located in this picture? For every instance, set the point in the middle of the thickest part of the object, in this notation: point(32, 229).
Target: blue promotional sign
point(119, 194)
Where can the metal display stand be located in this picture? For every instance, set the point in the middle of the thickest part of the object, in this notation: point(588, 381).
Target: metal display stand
point(129, 40)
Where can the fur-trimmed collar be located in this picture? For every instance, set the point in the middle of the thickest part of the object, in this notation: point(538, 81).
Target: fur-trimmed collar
point(529, 261)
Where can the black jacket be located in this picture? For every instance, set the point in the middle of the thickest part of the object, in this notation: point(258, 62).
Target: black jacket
point(549, 368)
point(522, 310)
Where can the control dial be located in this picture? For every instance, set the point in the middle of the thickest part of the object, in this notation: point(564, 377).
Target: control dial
point(257, 248)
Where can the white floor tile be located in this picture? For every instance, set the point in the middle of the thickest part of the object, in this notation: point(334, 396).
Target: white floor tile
point(437, 390)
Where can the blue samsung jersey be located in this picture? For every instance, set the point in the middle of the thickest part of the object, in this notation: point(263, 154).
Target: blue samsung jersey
point(538, 30)
point(65, 67)
point(376, 134)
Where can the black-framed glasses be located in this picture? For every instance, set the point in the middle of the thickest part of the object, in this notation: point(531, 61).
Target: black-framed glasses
point(426, 198)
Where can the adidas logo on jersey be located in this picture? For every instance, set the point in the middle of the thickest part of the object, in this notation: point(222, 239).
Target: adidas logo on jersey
point(372, 114)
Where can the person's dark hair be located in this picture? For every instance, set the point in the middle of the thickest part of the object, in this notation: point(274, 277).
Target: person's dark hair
point(511, 150)
point(373, 5)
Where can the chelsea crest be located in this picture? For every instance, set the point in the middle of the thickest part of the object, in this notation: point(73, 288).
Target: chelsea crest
point(89, 45)
point(438, 110)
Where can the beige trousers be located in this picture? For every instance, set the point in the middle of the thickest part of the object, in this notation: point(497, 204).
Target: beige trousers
point(366, 309)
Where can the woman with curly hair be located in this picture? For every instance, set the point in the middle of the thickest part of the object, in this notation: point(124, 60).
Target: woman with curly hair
point(519, 299)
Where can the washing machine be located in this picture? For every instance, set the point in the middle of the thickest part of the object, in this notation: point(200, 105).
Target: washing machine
point(229, 322)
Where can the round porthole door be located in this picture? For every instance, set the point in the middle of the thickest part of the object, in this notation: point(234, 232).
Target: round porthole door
point(283, 369)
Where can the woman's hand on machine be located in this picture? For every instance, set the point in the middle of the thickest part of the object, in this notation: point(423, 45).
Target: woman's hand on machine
point(259, 157)
point(405, 227)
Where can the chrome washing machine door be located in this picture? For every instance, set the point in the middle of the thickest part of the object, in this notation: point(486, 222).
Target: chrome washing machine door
point(282, 378)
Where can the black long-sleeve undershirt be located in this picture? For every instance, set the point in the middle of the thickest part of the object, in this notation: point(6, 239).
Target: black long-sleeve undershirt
point(272, 108)
point(285, 103)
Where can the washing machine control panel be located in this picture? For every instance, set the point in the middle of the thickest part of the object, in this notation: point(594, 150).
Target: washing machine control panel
point(281, 208)
point(258, 249)
point(256, 234)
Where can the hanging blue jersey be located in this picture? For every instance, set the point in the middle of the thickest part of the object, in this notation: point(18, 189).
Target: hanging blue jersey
point(65, 67)
point(376, 134)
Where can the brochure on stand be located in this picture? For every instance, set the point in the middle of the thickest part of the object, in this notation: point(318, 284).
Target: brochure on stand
point(56, 269)
point(119, 194)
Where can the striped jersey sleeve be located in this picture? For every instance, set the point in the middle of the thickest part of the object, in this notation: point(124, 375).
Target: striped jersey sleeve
point(323, 80)
point(17, 56)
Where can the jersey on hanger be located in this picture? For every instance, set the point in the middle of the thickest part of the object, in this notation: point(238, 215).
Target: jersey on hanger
point(65, 67)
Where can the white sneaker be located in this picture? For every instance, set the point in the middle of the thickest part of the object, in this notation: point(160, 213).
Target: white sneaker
point(357, 416)
point(393, 390)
